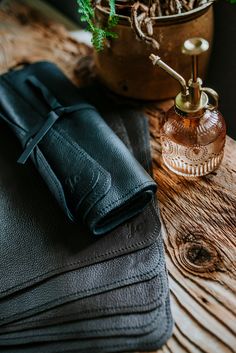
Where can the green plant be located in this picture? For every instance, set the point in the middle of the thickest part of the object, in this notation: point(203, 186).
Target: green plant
point(86, 9)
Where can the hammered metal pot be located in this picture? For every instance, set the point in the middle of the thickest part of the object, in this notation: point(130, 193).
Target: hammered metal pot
point(124, 64)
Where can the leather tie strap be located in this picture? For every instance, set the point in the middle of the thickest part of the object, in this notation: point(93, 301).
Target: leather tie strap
point(57, 110)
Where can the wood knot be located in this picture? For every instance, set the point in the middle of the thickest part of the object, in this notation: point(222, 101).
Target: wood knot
point(23, 19)
point(201, 255)
point(198, 254)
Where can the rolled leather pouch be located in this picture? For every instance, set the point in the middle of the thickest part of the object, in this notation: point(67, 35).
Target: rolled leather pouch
point(92, 174)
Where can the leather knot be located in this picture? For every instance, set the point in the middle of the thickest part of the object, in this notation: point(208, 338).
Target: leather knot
point(57, 110)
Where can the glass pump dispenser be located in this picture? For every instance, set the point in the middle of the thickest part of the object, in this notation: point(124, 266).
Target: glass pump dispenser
point(193, 136)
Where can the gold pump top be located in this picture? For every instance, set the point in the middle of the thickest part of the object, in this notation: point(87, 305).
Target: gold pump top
point(193, 97)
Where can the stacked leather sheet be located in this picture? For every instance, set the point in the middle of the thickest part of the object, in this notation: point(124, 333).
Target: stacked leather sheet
point(62, 288)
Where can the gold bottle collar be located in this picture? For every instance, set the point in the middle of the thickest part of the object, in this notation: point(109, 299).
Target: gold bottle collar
point(184, 103)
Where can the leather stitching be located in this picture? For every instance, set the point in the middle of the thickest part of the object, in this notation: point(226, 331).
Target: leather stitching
point(149, 274)
point(95, 258)
point(95, 330)
point(121, 198)
point(147, 344)
point(161, 290)
point(168, 328)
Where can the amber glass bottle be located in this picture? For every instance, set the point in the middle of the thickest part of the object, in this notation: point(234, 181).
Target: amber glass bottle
point(193, 144)
point(193, 136)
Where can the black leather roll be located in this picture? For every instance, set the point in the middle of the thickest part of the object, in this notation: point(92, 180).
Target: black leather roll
point(93, 176)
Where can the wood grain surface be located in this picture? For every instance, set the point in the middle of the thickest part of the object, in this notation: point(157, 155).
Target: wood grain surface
point(199, 215)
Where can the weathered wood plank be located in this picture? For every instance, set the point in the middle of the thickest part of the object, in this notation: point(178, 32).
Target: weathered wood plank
point(199, 215)
point(27, 36)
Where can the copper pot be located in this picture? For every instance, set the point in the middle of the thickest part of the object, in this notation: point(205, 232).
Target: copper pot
point(124, 64)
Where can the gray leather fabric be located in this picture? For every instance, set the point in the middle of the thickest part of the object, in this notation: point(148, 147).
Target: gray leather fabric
point(146, 342)
point(61, 289)
point(122, 270)
point(120, 325)
point(148, 296)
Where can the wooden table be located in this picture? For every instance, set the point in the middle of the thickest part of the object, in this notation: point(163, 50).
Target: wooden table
point(199, 215)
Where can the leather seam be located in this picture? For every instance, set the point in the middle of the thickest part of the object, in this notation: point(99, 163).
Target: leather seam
point(96, 330)
point(147, 344)
point(121, 198)
point(104, 310)
point(112, 252)
point(125, 345)
point(87, 291)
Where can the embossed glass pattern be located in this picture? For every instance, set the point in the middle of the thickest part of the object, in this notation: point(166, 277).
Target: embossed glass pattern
point(193, 145)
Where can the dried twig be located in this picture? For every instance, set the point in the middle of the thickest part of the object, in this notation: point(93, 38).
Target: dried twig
point(149, 26)
point(179, 6)
point(136, 25)
point(159, 9)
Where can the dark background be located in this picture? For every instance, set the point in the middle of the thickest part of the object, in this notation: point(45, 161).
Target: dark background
point(222, 69)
